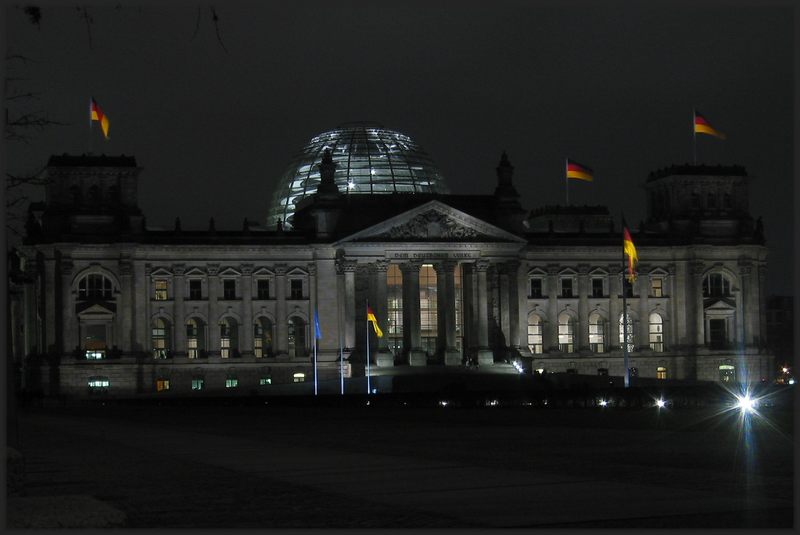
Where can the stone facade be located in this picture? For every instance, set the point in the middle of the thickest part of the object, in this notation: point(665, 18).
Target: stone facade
point(108, 306)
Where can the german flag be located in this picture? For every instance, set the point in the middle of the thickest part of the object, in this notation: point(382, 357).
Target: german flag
point(630, 252)
point(578, 171)
point(702, 126)
point(371, 317)
point(96, 114)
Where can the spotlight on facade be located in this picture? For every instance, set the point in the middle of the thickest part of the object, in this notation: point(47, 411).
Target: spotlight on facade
point(603, 403)
point(444, 403)
point(518, 366)
point(785, 370)
point(660, 403)
point(791, 381)
point(746, 403)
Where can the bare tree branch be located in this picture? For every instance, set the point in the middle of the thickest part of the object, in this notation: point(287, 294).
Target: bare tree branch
point(89, 21)
point(216, 27)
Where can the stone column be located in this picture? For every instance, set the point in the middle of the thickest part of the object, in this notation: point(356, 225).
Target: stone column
point(411, 314)
point(583, 308)
point(643, 280)
point(759, 329)
point(614, 305)
point(504, 303)
point(671, 334)
point(69, 336)
point(348, 268)
point(469, 305)
point(179, 292)
point(125, 311)
point(281, 321)
point(312, 306)
point(446, 313)
point(213, 310)
point(485, 355)
point(514, 316)
point(141, 308)
point(52, 300)
point(383, 357)
point(246, 345)
point(551, 327)
point(697, 298)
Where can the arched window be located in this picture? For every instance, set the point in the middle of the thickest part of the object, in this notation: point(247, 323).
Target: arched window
point(535, 334)
point(228, 338)
point(299, 377)
point(597, 332)
point(297, 337)
point(716, 285)
point(661, 372)
point(95, 286)
point(161, 336)
point(262, 338)
point(631, 342)
point(195, 338)
point(656, 332)
point(566, 333)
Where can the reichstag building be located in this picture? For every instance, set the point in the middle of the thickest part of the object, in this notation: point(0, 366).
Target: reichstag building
point(362, 217)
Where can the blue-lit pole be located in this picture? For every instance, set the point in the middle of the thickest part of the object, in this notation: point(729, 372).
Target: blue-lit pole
point(315, 364)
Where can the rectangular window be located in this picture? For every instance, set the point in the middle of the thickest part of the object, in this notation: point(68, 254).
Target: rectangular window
point(98, 382)
point(628, 288)
point(195, 289)
point(161, 290)
point(229, 289)
point(231, 382)
point(536, 288)
point(299, 377)
point(566, 287)
point(634, 372)
point(661, 372)
point(162, 385)
point(198, 383)
point(265, 381)
point(263, 289)
point(656, 287)
point(535, 337)
point(597, 287)
point(296, 289)
point(94, 354)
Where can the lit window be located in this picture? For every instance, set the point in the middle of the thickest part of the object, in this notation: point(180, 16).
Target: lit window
point(657, 287)
point(265, 381)
point(193, 339)
point(231, 382)
point(160, 338)
point(566, 333)
point(198, 383)
point(661, 372)
point(535, 334)
point(656, 332)
point(161, 290)
point(95, 354)
point(727, 373)
point(162, 385)
point(98, 382)
point(224, 340)
point(299, 377)
point(597, 336)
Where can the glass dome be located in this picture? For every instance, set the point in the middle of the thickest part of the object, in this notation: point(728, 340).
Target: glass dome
point(369, 159)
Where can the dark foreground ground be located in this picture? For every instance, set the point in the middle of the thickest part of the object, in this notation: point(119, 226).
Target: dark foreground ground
point(401, 467)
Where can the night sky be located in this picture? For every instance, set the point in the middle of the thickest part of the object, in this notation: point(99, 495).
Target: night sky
point(611, 85)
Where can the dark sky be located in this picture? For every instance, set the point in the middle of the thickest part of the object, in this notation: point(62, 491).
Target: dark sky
point(610, 85)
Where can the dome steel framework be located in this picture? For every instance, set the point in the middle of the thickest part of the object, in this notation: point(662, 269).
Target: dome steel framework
point(369, 159)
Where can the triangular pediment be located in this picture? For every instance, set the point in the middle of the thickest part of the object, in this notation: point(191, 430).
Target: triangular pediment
point(161, 272)
point(434, 221)
point(719, 305)
point(95, 310)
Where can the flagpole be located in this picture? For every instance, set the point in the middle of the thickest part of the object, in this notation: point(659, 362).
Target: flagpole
point(341, 353)
point(316, 319)
point(369, 390)
point(90, 125)
point(566, 178)
point(624, 313)
point(694, 135)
